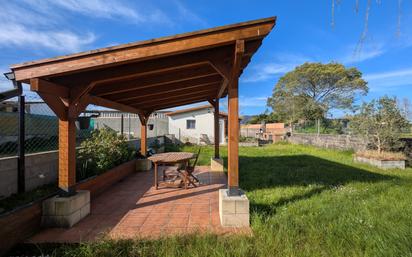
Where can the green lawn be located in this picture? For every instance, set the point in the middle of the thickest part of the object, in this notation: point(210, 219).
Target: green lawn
point(304, 202)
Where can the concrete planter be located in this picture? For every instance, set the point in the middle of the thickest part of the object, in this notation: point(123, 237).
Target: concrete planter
point(64, 212)
point(143, 165)
point(382, 164)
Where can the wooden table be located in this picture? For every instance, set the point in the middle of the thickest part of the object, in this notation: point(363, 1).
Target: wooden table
point(171, 158)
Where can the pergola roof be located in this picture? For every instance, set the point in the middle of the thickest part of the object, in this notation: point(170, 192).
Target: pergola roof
point(149, 75)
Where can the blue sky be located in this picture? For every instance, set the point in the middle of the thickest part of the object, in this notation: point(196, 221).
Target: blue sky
point(34, 29)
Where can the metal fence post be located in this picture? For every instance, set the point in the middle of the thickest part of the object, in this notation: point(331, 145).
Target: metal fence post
point(121, 125)
point(21, 183)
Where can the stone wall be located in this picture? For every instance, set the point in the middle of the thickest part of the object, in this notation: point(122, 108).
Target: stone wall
point(340, 142)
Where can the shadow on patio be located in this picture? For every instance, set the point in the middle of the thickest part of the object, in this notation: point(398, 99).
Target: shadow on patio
point(134, 208)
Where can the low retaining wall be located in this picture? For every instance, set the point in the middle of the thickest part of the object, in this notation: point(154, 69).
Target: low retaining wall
point(381, 163)
point(98, 184)
point(340, 142)
point(41, 169)
point(19, 224)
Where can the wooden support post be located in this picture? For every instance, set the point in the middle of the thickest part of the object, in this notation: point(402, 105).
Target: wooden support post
point(233, 120)
point(217, 128)
point(67, 155)
point(143, 133)
point(143, 140)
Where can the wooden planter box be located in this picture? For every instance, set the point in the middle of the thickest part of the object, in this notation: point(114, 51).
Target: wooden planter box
point(383, 164)
point(97, 184)
point(19, 224)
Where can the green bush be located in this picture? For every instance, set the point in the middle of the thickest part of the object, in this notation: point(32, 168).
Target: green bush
point(102, 151)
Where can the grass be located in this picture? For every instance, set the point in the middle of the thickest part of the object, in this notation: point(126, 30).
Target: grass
point(304, 201)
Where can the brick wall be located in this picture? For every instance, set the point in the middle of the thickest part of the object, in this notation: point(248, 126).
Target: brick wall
point(340, 142)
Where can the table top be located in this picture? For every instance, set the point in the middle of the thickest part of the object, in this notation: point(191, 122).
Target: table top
point(171, 157)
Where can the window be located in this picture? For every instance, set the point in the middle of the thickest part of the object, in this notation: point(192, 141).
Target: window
point(190, 124)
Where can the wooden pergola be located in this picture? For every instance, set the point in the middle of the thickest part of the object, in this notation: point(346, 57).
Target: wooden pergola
point(146, 76)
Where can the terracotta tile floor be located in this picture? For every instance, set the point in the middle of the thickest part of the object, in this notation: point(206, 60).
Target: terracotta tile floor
point(133, 208)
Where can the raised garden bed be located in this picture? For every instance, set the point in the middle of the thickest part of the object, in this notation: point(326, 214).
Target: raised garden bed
point(97, 184)
point(20, 223)
point(382, 160)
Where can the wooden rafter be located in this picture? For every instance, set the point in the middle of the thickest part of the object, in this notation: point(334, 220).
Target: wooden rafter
point(151, 81)
point(114, 105)
point(199, 93)
point(166, 89)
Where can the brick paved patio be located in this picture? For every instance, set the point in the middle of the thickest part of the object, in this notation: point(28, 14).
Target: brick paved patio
point(133, 208)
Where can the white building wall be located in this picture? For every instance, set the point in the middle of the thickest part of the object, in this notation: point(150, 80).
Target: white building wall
point(204, 125)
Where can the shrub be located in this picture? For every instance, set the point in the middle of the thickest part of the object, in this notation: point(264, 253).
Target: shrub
point(383, 156)
point(101, 152)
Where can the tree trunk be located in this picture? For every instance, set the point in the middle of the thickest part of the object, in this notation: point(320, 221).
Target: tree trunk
point(379, 144)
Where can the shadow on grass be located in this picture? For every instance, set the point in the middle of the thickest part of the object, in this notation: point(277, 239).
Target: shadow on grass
point(298, 170)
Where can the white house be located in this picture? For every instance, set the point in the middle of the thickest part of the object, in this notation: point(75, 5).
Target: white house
point(196, 125)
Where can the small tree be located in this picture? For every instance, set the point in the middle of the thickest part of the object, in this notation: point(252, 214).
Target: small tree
point(381, 123)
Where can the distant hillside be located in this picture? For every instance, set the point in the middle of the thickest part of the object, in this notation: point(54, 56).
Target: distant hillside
point(246, 118)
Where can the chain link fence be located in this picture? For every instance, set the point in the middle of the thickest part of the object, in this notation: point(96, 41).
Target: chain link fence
point(42, 126)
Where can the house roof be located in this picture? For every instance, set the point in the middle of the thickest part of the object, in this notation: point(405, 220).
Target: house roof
point(150, 75)
point(192, 109)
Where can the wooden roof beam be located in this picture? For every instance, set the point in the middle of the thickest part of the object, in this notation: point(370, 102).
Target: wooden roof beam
point(166, 95)
point(158, 80)
point(113, 105)
point(145, 50)
point(175, 103)
point(176, 87)
point(162, 98)
point(47, 87)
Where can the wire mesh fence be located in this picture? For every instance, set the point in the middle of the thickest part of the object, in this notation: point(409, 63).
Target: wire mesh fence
point(42, 125)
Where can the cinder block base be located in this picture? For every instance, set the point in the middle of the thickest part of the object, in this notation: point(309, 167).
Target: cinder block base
point(233, 210)
point(64, 212)
point(216, 164)
point(143, 165)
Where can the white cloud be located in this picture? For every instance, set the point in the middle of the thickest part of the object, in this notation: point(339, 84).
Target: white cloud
point(63, 41)
point(282, 63)
point(385, 81)
point(109, 9)
point(186, 14)
point(254, 101)
point(35, 28)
